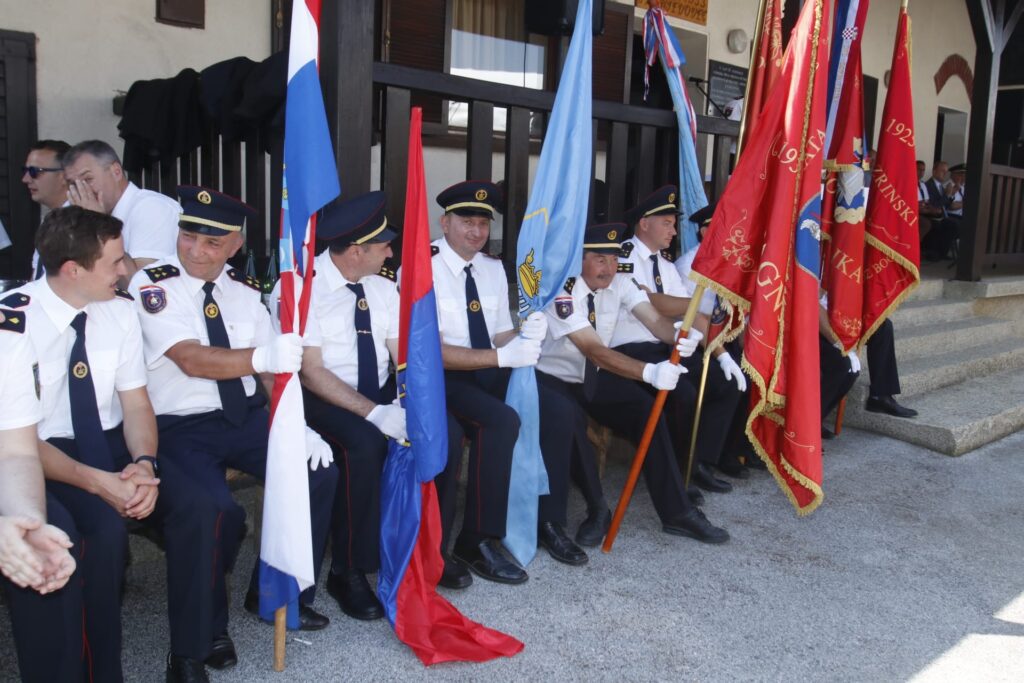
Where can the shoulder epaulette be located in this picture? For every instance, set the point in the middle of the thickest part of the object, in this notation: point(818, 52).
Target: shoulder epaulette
point(247, 280)
point(434, 250)
point(16, 300)
point(123, 293)
point(158, 273)
point(667, 255)
point(388, 273)
point(626, 249)
point(12, 321)
point(569, 284)
point(625, 267)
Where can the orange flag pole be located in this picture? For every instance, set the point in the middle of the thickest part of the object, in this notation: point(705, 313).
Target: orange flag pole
point(280, 622)
point(652, 423)
point(840, 410)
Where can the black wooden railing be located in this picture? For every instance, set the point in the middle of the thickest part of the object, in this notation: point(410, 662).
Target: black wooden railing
point(1005, 239)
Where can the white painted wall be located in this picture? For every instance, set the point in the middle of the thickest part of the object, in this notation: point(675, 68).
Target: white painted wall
point(87, 51)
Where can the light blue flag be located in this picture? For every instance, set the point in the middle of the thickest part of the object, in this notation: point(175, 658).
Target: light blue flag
point(549, 251)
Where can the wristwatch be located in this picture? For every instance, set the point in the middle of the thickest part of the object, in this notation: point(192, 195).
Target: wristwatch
point(152, 461)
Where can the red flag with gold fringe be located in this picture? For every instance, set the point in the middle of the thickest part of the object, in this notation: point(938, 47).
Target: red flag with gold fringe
point(767, 66)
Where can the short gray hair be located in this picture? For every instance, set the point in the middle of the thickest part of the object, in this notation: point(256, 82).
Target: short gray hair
point(98, 149)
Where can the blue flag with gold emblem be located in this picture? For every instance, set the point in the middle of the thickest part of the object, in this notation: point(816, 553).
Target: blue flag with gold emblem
point(549, 251)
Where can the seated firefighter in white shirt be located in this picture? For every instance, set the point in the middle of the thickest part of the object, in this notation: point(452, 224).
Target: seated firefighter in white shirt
point(577, 362)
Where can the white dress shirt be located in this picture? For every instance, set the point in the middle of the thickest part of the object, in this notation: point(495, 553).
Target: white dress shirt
point(630, 330)
point(683, 266)
point(19, 405)
point(171, 311)
point(150, 222)
point(450, 291)
point(113, 344)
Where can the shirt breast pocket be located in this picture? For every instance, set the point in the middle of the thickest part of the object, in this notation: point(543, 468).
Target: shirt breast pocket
point(104, 372)
point(241, 334)
point(335, 328)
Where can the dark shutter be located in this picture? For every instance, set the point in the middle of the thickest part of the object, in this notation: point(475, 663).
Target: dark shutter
point(416, 37)
point(20, 215)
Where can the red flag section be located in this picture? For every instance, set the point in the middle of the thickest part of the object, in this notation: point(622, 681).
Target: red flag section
point(762, 254)
point(893, 254)
point(767, 63)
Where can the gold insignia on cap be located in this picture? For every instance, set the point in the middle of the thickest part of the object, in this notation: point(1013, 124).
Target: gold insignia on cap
point(474, 306)
point(363, 306)
point(672, 197)
point(80, 370)
point(204, 197)
point(211, 310)
point(481, 195)
point(612, 234)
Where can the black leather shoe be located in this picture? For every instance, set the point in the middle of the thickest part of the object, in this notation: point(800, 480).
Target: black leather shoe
point(753, 462)
point(222, 653)
point(695, 525)
point(551, 537)
point(455, 576)
point(730, 466)
point(489, 560)
point(695, 496)
point(594, 527)
point(354, 595)
point(888, 405)
point(704, 478)
point(309, 618)
point(184, 670)
point(827, 434)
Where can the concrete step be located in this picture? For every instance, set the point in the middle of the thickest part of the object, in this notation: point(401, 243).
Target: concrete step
point(931, 339)
point(954, 419)
point(925, 311)
point(931, 288)
point(920, 375)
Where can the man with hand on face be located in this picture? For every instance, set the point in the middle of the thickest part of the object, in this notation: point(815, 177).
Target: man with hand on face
point(351, 335)
point(43, 176)
point(97, 181)
point(479, 346)
point(644, 260)
point(206, 333)
point(577, 362)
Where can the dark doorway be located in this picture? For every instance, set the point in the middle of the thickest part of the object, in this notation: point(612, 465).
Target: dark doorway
point(20, 215)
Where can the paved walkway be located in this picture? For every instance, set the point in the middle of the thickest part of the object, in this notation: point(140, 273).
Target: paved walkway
point(912, 569)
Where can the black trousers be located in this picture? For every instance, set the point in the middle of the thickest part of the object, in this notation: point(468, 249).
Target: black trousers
point(721, 397)
point(359, 453)
point(836, 378)
point(881, 347)
point(624, 406)
point(204, 446)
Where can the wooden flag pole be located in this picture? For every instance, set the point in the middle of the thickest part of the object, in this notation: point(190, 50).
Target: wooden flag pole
point(280, 630)
point(652, 423)
point(840, 409)
point(696, 416)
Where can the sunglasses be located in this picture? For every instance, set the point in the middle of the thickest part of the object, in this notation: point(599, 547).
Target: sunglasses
point(34, 171)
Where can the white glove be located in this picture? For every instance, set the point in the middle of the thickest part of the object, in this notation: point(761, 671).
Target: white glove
point(519, 353)
point(317, 450)
point(854, 362)
point(664, 376)
point(283, 354)
point(535, 326)
point(390, 419)
point(732, 371)
point(688, 344)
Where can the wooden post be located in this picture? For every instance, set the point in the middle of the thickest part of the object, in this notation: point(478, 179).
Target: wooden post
point(280, 631)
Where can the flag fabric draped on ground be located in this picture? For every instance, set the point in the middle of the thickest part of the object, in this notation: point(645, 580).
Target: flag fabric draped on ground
point(660, 42)
point(767, 63)
point(549, 251)
point(842, 225)
point(762, 254)
point(411, 563)
point(893, 254)
point(310, 182)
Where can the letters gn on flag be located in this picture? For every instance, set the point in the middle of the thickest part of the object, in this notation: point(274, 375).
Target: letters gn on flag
point(660, 43)
point(892, 258)
point(761, 253)
point(842, 226)
point(549, 251)
point(410, 529)
point(310, 182)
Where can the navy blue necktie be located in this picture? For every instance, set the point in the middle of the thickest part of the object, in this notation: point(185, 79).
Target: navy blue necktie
point(590, 370)
point(367, 354)
point(657, 274)
point(90, 441)
point(478, 336)
point(232, 392)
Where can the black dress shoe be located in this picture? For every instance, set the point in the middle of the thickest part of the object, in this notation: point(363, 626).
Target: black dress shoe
point(594, 527)
point(695, 525)
point(703, 477)
point(827, 434)
point(184, 670)
point(551, 537)
point(354, 595)
point(455, 576)
point(753, 462)
point(489, 560)
point(732, 467)
point(888, 405)
point(222, 652)
point(309, 618)
point(695, 496)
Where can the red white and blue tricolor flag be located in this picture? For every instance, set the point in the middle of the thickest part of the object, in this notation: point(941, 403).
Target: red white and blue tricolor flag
point(410, 524)
point(310, 182)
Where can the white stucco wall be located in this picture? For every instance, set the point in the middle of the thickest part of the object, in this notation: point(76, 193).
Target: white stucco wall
point(86, 51)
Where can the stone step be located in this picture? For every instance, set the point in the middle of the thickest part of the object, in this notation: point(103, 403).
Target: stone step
point(925, 311)
point(931, 288)
point(954, 419)
point(920, 375)
point(920, 341)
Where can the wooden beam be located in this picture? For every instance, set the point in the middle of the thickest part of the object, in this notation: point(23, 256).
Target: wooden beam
point(481, 134)
point(983, 24)
point(396, 153)
point(517, 178)
point(1011, 23)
